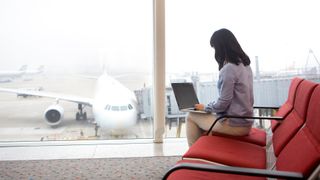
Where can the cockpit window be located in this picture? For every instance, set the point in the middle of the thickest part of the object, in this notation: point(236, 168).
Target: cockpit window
point(115, 108)
point(130, 106)
point(123, 108)
point(107, 107)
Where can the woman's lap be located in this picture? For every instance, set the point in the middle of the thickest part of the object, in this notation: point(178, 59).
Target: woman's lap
point(204, 121)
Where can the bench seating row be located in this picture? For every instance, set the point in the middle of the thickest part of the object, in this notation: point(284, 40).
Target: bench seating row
point(295, 144)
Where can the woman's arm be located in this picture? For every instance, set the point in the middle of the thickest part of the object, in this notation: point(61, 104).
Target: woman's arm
point(227, 80)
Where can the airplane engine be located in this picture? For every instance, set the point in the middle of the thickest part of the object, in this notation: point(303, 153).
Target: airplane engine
point(53, 115)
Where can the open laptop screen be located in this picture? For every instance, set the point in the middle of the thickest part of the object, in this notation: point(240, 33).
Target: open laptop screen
point(185, 95)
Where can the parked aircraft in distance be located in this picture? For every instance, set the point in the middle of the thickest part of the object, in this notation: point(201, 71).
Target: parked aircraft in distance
point(30, 74)
point(114, 106)
point(8, 76)
point(39, 70)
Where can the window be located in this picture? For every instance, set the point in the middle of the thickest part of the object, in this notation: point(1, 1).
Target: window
point(123, 108)
point(91, 54)
point(107, 107)
point(280, 42)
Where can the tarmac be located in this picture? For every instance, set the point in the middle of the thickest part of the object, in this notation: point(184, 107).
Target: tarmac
point(22, 118)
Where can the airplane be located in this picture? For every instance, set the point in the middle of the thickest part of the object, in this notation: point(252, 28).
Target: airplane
point(114, 106)
point(29, 74)
point(8, 76)
point(39, 70)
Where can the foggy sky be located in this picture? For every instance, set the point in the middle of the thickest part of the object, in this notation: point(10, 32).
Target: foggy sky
point(81, 35)
point(75, 34)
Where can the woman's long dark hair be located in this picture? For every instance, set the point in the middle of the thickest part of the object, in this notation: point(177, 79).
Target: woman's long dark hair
point(227, 48)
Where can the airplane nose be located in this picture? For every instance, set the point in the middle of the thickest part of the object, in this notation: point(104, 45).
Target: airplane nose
point(119, 120)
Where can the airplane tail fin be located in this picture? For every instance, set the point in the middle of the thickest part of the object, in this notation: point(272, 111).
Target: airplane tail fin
point(103, 58)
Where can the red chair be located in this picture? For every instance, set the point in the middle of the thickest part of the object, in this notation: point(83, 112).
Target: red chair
point(299, 158)
point(258, 136)
point(286, 108)
point(229, 151)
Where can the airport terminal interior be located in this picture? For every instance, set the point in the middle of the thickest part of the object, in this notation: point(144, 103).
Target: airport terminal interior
point(85, 86)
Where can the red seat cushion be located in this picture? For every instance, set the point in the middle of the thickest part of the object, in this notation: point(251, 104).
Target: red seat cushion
point(282, 112)
point(228, 151)
point(302, 153)
point(296, 118)
point(256, 136)
point(285, 132)
point(186, 174)
point(285, 109)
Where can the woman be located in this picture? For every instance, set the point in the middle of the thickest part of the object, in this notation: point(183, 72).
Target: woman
point(235, 91)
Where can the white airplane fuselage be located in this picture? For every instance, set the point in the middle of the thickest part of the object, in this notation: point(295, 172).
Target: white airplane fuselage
point(114, 106)
point(10, 75)
point(7, 76)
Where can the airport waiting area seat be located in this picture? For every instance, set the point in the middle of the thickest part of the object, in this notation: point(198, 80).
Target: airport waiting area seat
point(295, 142)
point(259, 136)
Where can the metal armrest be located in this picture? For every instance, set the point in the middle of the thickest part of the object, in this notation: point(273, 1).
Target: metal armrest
point(265, 107)
point(235, 170)
point(277, 118)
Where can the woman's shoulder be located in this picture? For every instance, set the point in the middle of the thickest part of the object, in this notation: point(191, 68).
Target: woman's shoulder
point(230, 67)
point(228, 71)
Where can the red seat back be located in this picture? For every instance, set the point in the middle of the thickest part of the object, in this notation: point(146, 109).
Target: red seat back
point(286, 108)
point(302, 153)
point(295, 119)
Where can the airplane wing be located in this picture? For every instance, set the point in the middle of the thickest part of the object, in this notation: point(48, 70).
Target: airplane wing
point(65, 97)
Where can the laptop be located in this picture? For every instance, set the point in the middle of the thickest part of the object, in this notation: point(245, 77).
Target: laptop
point(186, 97)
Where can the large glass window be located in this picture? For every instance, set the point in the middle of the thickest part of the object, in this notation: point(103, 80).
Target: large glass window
point(280, 37)
point(75, 69)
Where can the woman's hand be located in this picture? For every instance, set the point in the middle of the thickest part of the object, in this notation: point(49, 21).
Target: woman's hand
point(199, 106)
